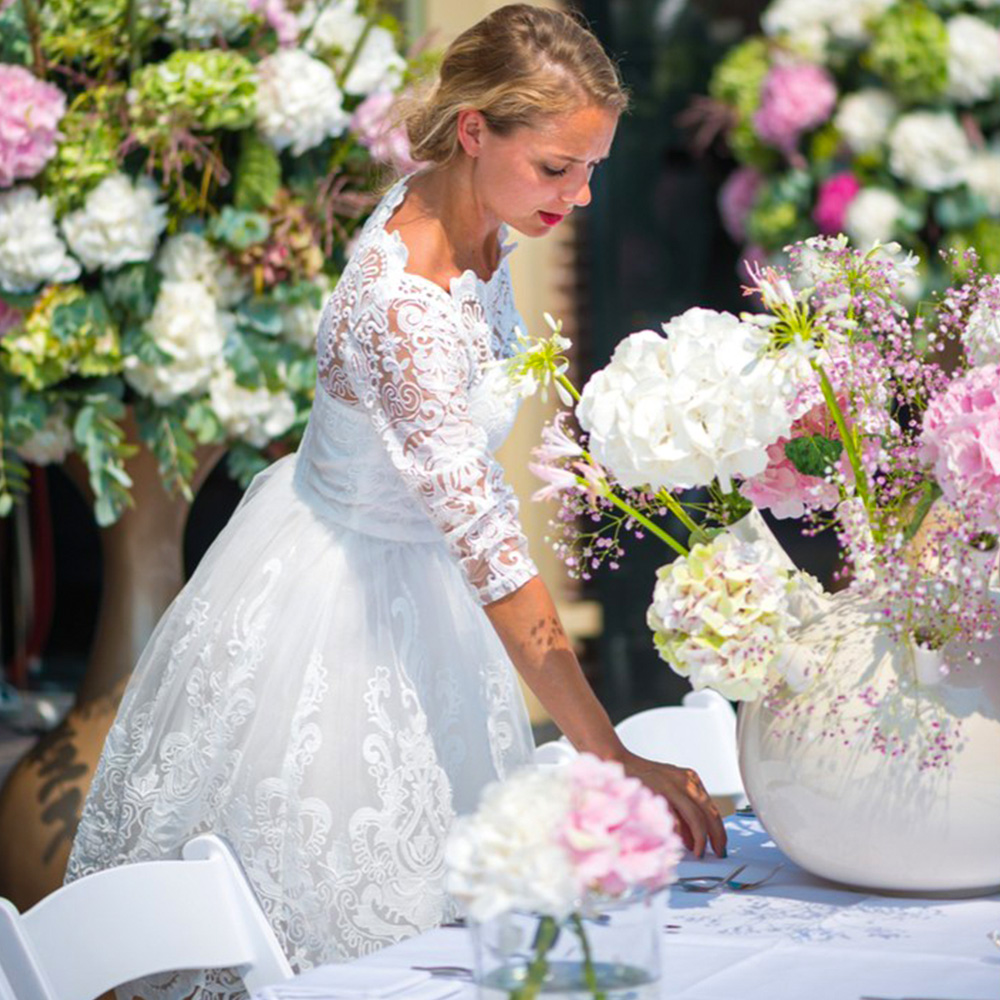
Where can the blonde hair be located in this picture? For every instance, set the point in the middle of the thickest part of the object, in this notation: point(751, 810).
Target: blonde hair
point(516, 66)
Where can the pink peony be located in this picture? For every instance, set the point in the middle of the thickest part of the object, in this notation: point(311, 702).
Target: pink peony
point(793, 100)
point(618, 833)
point(736, 198)
point(835, 194)
point(372, 122)
point(961, 442)
point(30, 110)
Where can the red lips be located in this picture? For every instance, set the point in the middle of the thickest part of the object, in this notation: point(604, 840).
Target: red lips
point(551, 218)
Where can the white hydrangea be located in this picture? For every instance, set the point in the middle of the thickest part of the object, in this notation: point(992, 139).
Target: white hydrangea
point(505, 856)
point(190, 257)
point(31, 251)
point(378, 65)
point(981, 335)
point(871, 216)
point(982, 177)
point(973, 59)
point(864, 118)
point(810, 25)
point(335, 32)
point(120, 223)
point(52, 442)
point(722, 616)
point(256, 416)
point(929, 149)
point(198, 20)
point(298, 101)
point(300, 322)
point(680, 411)
point(190, 329)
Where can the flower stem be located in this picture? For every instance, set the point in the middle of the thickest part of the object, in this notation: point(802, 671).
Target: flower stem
point(132, 33)
point(654, 529)
point(677, 509)
point(538, 967)
point(353, 57)
point(589, 972)
point(568, 386)
point(850, 445)
point(32, 23)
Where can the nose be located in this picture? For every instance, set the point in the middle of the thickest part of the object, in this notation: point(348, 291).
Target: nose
point(578, 194)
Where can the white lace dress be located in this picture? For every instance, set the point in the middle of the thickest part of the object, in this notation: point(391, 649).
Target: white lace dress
point(327, 692)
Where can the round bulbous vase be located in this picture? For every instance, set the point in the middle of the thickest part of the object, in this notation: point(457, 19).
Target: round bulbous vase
point(142, 568)
point(609, 954)
point(884, 772)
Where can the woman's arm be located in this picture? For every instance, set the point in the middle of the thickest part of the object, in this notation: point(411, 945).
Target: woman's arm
point(529, 627)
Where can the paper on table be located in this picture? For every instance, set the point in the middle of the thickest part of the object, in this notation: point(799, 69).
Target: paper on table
point(358, 982)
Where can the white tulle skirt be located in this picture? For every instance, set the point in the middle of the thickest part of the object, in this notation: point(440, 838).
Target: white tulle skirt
point(327, 701)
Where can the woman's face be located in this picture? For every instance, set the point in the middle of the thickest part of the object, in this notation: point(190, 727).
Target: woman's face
point(534, 177)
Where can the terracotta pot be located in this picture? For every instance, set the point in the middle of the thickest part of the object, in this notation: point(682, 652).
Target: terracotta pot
point(143, 570)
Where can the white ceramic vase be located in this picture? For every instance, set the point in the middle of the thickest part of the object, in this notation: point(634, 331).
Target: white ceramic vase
point(901, 799)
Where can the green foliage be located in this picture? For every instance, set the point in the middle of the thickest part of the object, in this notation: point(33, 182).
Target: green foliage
point(984, 236)
point(203, 423)
point(100, 439)
point(92, 34)
point(258, 174)
point(781, 211)
point(164, 432)
point(814, 454)
point(239, 230)
point(737, 83)
point(910, 52)
point(15, 46)
point(244, 462)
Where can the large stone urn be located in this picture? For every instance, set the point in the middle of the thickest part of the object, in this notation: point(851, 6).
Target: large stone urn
point(884, 774)
point(142, 557)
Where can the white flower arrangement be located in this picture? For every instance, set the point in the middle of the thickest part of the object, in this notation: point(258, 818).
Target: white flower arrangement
point(864, 118)
point(982, 178)
point(253, 415)
point(872, 216)
point(981, 336)
point(668, 413)
point(120, 223)
point(190, 257)
point(52, 442)
point(973, 59)
point(929, 149)
point(298, 101)
point(31, 250)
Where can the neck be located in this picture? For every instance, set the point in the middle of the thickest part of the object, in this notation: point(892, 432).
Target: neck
point(468, 227)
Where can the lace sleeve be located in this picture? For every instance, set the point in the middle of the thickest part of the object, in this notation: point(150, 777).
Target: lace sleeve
point(410, 366)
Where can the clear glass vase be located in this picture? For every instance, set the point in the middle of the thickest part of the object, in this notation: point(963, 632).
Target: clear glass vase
point(610, 952)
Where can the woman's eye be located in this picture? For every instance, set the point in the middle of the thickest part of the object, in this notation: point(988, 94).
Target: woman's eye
point(554, 172)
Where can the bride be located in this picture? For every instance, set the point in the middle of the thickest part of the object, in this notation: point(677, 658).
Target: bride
point(335, 682)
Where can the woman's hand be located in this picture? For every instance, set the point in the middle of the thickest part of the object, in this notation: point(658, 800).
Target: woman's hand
point(698, 819)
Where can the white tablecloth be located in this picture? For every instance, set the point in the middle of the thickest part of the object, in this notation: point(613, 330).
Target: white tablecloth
point(796, 938)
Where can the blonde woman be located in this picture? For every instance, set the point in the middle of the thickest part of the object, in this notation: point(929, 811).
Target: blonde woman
point(336, 681)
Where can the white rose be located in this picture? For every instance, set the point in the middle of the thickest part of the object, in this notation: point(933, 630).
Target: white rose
point(120, 223)
point(678, 411)
point(929, 149)
point(52, 442)
point(505, 857)
point(981, 335)
point(982, 177)
point(298, 101)
point(188, 327)
point(378, 65)
point(255, 415)
point(871, 216)
point(190, 257)
point(336, 26)
point(31, 252)
point(973, 59)
point(864, 118)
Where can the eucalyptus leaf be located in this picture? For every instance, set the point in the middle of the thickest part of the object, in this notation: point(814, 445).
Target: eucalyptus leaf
point(258, 174)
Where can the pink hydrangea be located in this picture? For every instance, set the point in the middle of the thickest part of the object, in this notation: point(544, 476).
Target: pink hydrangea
point(618, 833)
point(736, 198)
point(372, 123)
point(835, 195)
point(960, 440)
point(283, 22)
point(30, 110)
point(793, 100)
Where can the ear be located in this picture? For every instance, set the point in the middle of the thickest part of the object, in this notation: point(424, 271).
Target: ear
point(471, 131)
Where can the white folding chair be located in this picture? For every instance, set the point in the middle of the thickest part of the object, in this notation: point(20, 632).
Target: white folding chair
point(700, 733)
point(138, 920)
point(554, 753)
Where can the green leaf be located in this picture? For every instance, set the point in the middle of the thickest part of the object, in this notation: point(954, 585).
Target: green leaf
point(172, 446)
point(242, 360)
point(260, 316)
point(814, 454)
point(258, 174)
point(239, 230)
point(132, 289)
point(104, 448)
point(204, 424)
point(244, 462)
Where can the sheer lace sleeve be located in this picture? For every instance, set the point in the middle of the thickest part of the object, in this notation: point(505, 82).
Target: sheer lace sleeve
point(408, 362)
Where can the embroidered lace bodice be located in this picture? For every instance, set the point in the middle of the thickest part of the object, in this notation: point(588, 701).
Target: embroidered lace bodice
point(410, 410)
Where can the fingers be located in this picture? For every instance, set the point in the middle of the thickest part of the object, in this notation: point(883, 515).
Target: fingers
point(694, 819)
point(714, 827)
